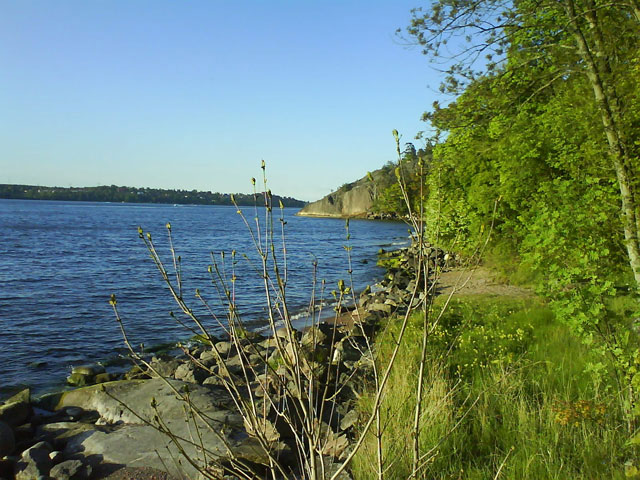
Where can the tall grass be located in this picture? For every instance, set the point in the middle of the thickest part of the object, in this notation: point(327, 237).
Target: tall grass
point(506, 397)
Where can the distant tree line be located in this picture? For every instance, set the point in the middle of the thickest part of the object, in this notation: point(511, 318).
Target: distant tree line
point(114, 193)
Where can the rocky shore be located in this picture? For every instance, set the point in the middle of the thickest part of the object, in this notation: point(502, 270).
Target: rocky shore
point(114, 425)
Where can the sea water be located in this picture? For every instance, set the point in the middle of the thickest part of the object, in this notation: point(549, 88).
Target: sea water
point(61, 261)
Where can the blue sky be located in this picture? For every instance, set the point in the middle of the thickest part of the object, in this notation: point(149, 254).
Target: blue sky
point(194, 94)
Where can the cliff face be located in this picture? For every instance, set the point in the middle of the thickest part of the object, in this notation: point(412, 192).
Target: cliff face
point(356, 199)
point(353, 200)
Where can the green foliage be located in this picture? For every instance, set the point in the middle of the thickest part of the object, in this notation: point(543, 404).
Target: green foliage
point(411, 171)
point(390, 200)
point(389, 260)
point(502, 258)
point(528, 131)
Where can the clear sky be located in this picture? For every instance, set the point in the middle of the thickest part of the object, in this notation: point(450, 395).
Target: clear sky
point(194, 94)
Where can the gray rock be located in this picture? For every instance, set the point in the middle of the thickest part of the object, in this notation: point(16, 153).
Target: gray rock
point(392, 300)
point(283, 333)
point(187, 372)
point(84, 375)
point(135, 443)
point(58, 434)
point(79, 380)
point(224, 348)
point(256, 359)
point(331, 467)
point(234, 361)
point(258, 347)
point(231, 369)
point(196, 350)
point(379, 307)
point(258, 389)
point(17, 409)
point(70, 470)
point(7, 440)
point(43, 445)
point(349, 420)
point(314, 336)
point(213, 380)
point(136, 373)
point(165, 366)
point(104, 377)
point(364, 301)
point(34, 462)
point(74, 413)
point(348, 350)
point(89, 370)
point(208, 358)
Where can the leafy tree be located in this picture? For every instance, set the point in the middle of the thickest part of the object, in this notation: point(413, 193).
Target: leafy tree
point(534, 47)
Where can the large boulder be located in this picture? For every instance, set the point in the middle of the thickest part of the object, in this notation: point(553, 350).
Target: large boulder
point(34, 462)
point(84, 375)
point(129, 401)
point(17, 409)
point(58, 434)
point(188, 372)
point(130, 435)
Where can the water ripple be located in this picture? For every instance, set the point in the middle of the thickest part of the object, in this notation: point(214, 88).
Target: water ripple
point(61, 261)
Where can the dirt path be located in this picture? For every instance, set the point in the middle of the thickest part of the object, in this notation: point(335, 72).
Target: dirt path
point(479, 281)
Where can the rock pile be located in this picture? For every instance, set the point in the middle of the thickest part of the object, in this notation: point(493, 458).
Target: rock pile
point(23, 455)
point(102, 427)
point(393, 294)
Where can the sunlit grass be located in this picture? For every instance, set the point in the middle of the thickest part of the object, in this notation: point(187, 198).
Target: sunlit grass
point(511, 399)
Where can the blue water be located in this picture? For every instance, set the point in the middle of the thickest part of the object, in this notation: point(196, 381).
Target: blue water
point(61, 261)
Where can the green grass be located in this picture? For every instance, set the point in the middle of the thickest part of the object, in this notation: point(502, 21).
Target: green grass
point(515, 385)
point(502, 258)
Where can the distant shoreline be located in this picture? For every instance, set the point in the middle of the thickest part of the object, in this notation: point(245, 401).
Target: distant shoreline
point(118, 194)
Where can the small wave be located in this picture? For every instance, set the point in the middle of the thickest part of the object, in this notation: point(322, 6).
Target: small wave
point(398, 243)
point(305, 312)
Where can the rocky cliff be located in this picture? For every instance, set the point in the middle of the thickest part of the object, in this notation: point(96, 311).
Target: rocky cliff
point(353, 200)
